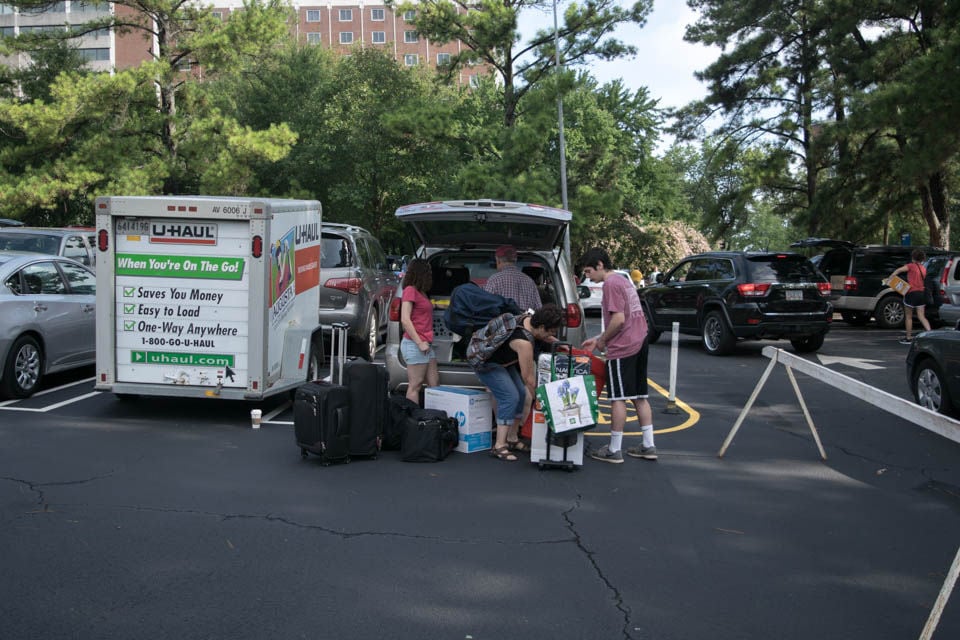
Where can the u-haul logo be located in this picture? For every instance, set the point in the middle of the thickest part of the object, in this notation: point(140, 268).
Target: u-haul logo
point(183, 233)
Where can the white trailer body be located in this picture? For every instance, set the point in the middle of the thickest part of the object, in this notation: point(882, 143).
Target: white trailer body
point(206, 296)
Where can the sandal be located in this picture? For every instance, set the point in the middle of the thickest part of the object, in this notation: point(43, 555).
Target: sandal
point(518, 446)
point(504, 453)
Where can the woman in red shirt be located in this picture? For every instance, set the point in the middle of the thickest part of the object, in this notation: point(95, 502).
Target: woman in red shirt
point(416, 318)
point(916, 297)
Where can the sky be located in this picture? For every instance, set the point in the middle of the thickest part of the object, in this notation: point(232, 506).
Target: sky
point(664, 62)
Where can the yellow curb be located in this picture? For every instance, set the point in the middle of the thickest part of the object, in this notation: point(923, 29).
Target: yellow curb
point(693, 416)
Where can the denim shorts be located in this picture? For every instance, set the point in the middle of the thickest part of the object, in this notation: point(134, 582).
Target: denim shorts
point(412, 354)
point(506, 385)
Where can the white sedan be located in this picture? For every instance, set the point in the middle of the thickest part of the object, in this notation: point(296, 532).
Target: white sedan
point(47, 319)
point(596, 291)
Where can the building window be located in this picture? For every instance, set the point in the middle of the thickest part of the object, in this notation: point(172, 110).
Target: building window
point(379, 37)
point(313, 37)
point(7, 32)
point(377, 15)
point(313, 15)
point(443, 59)
point(411, 59)
point(410, 37)
point(346, 15)
point(91, 55)
point(89, 5)
point(346, 37)
point(6, 9)
point(218, 15)
point(475, 81)
point(409, 16)
point(99, 33)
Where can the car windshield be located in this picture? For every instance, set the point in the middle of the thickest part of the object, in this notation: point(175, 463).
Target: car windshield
point(34, 243)
point(782, 268)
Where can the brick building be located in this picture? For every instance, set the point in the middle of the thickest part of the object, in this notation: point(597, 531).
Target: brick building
point(340, 25)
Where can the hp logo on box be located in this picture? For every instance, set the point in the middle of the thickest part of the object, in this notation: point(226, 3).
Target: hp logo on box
point(461, 418)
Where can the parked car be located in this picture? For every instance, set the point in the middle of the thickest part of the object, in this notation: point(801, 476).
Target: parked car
point(358, 285)
point(459, 239)
point(592, 303)
point(724, 296)
point(857, 273)
point(8, 222)
point(47, 319)
point(933, 370)
point(943, 281)
point(76, 243)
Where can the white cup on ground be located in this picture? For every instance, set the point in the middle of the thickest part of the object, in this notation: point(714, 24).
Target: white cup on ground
point(255, 416)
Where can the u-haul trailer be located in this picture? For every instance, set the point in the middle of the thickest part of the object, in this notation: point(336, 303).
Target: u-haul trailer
point(202, 296)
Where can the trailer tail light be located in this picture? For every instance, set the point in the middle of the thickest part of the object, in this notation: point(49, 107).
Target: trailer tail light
point(753, 290)
point(849, 283)
point(395, 309)
point(574, 315)
point(823, 288)
point(350, 285)
point(256, 247)
point(103, 240)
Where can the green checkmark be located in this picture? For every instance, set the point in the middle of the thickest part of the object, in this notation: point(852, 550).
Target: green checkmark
point(129, 326)
point(129, 308)
point(129, 291)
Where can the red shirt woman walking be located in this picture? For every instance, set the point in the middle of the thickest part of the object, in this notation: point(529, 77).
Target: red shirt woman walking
point(916, 297)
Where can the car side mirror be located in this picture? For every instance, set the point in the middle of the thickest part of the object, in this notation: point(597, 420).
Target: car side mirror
point(583, 292)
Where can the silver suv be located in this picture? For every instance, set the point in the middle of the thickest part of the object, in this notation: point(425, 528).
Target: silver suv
point(357, 286)
point(74, 243)
point(459, 239)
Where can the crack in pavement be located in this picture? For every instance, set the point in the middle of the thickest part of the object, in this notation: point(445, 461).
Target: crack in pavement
point(41, 496)
point(617, 597)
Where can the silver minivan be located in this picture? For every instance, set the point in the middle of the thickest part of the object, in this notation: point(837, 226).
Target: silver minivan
point(459, 238)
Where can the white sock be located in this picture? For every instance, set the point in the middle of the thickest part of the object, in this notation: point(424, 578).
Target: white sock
point(616, 440)
point(647, 432)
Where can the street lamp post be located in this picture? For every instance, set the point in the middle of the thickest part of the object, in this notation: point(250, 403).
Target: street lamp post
point(563, 144)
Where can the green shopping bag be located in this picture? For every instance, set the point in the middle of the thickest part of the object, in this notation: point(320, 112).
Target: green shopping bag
point(569, 404)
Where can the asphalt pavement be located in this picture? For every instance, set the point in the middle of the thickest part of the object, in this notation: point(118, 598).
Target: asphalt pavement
point(175, 519)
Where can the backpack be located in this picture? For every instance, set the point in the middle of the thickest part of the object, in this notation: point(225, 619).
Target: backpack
point(472, 307)
point(490, 337)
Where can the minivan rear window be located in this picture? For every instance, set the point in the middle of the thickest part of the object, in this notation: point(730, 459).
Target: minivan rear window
point(782, 268)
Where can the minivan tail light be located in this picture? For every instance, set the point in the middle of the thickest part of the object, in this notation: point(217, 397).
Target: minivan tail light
point(395, 309)
point(849, 283)
point(350, 285)
point(824, 288)
point(574, 315)
point(753, 290)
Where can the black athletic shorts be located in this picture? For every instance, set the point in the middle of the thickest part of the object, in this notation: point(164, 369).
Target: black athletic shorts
point(627, 377)
point(915, 299)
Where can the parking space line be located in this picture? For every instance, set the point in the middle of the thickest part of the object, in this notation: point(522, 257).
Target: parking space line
point(693, 416)
point(45, 392)
point(52, 406)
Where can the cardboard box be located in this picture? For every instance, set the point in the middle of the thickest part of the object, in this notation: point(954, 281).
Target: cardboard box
point(538, 444)
point(899, 285)
point(473, 410)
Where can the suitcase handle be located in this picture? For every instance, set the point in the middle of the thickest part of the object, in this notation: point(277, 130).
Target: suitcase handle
point(338, 350)
point(553, 353)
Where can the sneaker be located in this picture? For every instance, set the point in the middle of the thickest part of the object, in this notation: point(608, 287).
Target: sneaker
point(647, 453)
point(906, 340)
point(604, 454)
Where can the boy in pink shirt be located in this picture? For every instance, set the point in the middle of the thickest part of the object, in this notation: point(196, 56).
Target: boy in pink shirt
point(624, 339)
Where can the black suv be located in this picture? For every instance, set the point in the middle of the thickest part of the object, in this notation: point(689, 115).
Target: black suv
point(857, 273)
point(357, 285)
point(725, 295)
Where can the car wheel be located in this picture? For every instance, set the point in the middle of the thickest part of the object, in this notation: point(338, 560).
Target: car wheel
point(315, 361)
point(808, 344)
point(929, 388)
point(652, 333)
point(855, 318)
point(367, 345)
point(718, 340)
point(890, 312)
point(22, 371)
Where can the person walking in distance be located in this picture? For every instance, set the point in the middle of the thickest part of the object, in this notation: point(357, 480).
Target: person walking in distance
point(510, 282)
point(916, 297)
point(416, 318)
point(624, 339)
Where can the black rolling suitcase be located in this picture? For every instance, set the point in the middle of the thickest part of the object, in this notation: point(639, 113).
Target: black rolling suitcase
point(369, 401)
point(321, 410)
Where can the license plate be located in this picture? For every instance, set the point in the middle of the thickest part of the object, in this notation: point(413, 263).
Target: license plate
point(794, 294)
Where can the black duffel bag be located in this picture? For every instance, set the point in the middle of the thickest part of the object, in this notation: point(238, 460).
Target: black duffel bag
point(428, 436)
